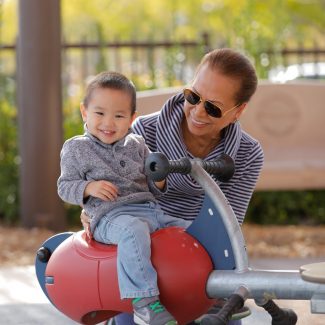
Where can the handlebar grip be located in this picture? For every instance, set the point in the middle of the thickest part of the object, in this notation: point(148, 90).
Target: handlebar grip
point(182, 166)
point(223, 167)
point(280, 316)
point(157, 166)
point(234, 302)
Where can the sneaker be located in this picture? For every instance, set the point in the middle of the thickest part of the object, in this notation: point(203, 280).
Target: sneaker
point(210, 315)
point(149, 311)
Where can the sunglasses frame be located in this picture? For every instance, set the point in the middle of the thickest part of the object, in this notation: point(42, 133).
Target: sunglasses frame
point(209, 109)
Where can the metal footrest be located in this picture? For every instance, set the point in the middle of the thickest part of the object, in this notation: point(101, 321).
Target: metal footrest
point(314, 272)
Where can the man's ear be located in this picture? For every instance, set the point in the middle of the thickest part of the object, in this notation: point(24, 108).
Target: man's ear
point(83, 112)
point(240, 110)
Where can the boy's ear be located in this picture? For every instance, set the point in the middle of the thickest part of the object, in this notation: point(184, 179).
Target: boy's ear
point(134, 115)
point(83, 112)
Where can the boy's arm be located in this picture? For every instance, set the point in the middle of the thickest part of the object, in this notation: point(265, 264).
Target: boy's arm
point(71, 183)
point(161, 184)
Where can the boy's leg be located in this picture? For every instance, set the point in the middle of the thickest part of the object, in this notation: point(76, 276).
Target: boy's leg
point(132, 234)
point(136, 275)
point(165, 220)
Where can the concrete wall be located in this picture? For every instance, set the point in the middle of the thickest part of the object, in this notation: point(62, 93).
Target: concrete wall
point(289, 121)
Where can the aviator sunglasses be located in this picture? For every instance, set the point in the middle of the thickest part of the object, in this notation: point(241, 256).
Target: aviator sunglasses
point(212, 109)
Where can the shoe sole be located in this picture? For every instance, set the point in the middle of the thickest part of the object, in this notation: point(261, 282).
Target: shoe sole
point(140, 321)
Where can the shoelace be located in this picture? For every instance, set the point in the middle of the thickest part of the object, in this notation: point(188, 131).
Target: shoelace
point(157, 307)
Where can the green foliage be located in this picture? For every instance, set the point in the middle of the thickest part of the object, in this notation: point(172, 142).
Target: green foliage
point(252, 26)
point(287, 207)
point(72, 122)
point(8, 21)
point(9, 159)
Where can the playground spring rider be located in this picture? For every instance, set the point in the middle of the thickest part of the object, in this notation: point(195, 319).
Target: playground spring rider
point(206, 261)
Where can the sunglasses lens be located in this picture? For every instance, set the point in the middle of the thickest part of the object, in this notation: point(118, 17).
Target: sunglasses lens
point(191, 97)
point(212, 109)
point(194, 99)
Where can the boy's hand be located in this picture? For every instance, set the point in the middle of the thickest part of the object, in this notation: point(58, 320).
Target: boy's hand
point(85, 220)
point(161, 184)
point(103, 190)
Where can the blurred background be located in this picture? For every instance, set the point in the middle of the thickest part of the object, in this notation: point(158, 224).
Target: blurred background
point(50, 48)
point(158, 45)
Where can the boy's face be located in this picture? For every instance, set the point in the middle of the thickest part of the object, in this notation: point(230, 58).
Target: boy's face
point(108, 115)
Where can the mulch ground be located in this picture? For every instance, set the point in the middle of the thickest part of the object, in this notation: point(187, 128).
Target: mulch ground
point(18, 245)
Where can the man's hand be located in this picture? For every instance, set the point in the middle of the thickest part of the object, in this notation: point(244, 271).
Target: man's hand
point(104, 190)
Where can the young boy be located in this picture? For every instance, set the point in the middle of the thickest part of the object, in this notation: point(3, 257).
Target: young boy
point(103, 171)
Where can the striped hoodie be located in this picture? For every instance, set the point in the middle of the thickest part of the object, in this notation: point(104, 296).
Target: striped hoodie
point(162, 133)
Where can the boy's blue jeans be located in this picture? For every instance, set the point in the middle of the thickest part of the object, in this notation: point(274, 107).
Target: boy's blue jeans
point(129, 227)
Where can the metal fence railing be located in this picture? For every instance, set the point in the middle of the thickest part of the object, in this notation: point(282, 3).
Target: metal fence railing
point(298, 63)
point(150, 64)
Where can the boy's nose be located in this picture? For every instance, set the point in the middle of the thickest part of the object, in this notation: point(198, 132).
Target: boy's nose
point(108, 122)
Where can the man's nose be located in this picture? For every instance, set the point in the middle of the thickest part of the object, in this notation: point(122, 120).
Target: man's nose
point(199, 109)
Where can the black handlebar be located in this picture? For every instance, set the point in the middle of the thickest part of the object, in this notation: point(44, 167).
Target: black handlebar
point(157, 166)
point(234, 303)
point(223, 167)
point(280, 316)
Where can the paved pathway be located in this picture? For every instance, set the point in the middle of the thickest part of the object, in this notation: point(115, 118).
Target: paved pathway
point(23, 302)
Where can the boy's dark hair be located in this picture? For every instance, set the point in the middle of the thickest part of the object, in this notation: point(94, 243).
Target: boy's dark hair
point(233, 64)
point(111, 80)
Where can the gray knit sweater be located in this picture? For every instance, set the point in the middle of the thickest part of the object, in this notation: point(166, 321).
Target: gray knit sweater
point(85, 159)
